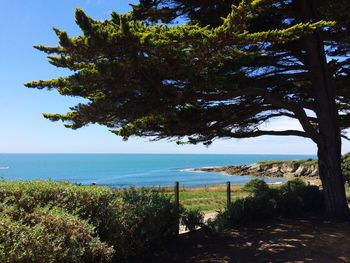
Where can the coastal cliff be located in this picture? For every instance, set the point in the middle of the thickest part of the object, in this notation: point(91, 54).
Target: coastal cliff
point(306, 168)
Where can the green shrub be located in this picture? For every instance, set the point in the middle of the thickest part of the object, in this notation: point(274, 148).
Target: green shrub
point(312, 198)
point(289, 204)
point(297, 197)
point(132, 221)
point(256, 187)
point(192, 219)
point(293, 185)
point(145, 219)
point(246, 210)
point(90, 203)
point(50, 236)
point(291, 199)
point(345, 165)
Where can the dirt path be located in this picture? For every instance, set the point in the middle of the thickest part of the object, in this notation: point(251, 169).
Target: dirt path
point(299, 240)
point(207, 216)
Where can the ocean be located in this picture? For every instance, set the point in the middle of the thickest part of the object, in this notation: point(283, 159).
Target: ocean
point(124, 170)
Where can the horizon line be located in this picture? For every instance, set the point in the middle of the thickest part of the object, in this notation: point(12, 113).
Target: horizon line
point(151, 153)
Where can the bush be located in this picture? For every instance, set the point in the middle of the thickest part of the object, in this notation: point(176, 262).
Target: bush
point(192, 219)
point(143, 220)
point(297, 197)
point(132, 221)
point(289, 204)
point(90, 203)
point(291, 199)
point(50, 236)
point(345, 165)
point(293, 185)
point(256, 187)
point(246, 210)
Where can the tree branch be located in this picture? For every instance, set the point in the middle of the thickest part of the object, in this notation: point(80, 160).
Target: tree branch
point(258, 133)
point(345, 137)
point(299, 113)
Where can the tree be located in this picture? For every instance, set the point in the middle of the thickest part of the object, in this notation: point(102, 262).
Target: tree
point(211, 77)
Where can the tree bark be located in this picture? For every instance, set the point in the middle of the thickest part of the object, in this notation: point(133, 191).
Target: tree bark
point(329, 139)
point(332, 181)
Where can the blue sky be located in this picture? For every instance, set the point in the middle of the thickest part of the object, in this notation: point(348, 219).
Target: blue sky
point(24, 130)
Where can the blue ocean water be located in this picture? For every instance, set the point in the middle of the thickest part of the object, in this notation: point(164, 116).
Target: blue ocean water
point(122, 170)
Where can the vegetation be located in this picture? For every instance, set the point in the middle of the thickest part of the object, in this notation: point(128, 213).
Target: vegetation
point(49, 236)
point(232, 66)
point(46, 221)
point(62, 222)
point(192, 219)
point(347, 190)
point(256, 187)
point(209, 198)
point(345, 165)
point(307, 162)
point(291, 199)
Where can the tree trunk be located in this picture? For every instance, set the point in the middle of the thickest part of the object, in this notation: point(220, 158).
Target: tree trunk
point(332, 180)
point(329, 139)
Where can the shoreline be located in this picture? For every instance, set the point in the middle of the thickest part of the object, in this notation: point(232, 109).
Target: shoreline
point(306, 170)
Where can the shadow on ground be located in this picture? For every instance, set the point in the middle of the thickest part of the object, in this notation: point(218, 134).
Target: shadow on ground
point(278, 241)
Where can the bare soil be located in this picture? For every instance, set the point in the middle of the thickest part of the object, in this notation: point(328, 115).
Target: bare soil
point(280, 240)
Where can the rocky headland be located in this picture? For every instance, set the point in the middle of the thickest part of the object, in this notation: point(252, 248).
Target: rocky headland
point(288, 169)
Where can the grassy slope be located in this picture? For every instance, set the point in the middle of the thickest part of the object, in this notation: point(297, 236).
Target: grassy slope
point(206, 199)
point(214, 198)
point(209, 199)
point(306, 162)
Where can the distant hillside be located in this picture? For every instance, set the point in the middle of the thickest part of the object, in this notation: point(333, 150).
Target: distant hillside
point(300, 168)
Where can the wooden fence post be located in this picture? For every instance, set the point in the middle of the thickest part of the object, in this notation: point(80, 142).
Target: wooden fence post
point(177, 203)
point(228, 193)
point(177, 197)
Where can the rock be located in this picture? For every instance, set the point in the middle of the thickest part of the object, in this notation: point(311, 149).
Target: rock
point(255, 167)
point(274, 169)
point(286, 169)
point(289, 167)
point(300, 171)
point(314, 173)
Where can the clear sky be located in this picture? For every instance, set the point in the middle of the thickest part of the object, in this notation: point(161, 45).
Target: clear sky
point(25, 23)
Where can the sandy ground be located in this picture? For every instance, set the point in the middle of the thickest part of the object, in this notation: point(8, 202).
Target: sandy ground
point(287, 240)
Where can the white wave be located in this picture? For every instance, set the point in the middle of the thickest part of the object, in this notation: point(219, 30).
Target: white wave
point(276, 183)
point(4, 167)
point(199, 170)
point(187, 170)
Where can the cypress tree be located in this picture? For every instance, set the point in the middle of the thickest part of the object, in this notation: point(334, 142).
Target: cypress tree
point(223, 72)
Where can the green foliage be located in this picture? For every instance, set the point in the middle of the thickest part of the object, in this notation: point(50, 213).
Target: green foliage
point(291, 199)
point(296, 197)
point(256, 187)
point(145, 78)
point(208, 199)
point(192, 218)
point(244, 211)
point(90, 203)
point(50, 236)
point(228, 69)
point(142, 220)
point(346, 167)
point(293, 185)
point(91, 220)
point(307, 162)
